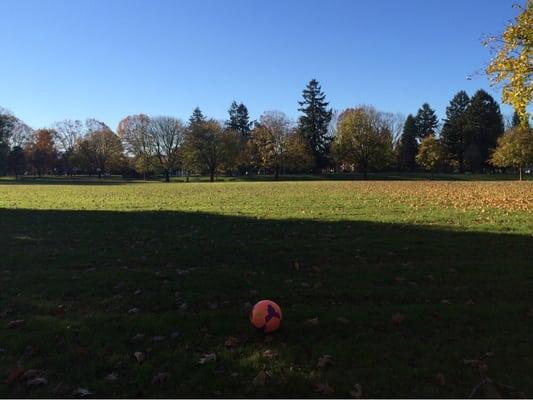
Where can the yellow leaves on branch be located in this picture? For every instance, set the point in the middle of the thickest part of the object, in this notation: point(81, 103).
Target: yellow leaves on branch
point(513, 63)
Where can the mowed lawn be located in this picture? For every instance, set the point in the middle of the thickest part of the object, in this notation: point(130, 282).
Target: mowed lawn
point(412, 288)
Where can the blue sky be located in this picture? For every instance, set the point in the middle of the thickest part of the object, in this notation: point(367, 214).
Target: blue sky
point(109, 59)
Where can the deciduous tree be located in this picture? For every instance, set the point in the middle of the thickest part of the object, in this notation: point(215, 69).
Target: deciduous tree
point(515, 149)
point(512, 64)
point(431, 154)
point(167, 134)
point(363, 140)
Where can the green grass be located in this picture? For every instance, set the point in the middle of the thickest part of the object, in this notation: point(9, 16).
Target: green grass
point(457, 265)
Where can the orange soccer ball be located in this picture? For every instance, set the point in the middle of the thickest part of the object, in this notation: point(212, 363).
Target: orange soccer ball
point(266, 315)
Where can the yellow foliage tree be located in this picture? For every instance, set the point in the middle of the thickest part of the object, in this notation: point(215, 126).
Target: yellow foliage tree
point(515, 149)
point(512, 65)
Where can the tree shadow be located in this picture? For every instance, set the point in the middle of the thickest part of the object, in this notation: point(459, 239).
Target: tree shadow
point(459, 294)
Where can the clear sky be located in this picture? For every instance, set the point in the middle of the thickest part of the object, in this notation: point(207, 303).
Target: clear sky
point(111, 58)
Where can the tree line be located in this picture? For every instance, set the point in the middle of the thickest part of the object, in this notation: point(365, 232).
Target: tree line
point(361, 139)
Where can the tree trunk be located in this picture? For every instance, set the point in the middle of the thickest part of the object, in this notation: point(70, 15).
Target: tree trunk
point(520, 172)
point(167, 175)
point(144, 175)
point(211, 175)
point(276, 172)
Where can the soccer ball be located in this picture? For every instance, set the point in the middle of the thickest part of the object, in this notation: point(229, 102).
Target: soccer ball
point(266, 315)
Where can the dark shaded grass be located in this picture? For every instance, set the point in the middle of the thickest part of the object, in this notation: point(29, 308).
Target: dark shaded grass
point(91, 263)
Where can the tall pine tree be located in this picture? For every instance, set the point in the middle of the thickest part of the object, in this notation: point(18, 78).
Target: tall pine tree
point(426, 121)
point(313, 124)
point(197, 117)
point(485, 126)
point(408, 145)
point(239, 120)
point(455, 134)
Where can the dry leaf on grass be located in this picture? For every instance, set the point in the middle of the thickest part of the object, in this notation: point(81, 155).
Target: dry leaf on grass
point(81, 392)
point(232, 342)
point(356, 392)
point(325, 361)
point(137, 338)
point(207, 357)
point(139, 356)
point(312, 321)
point(36, 382)
point(112, 377)
point(324, 389)
point(160, 378)
point(14, 375)
point(269, 354)
point(398, 318)
point(260, 379)
point(440, 379)
point(15, 323)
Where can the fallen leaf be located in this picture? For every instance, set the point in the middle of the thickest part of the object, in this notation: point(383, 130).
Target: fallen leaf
point(157, 339)
point(175, 335)
point(137, 338)
point(260, 379)
point(207, 357)
point(296, 266)
point(31, 373)
point(312, 321)
point(324, 361)
point(356, 392)
point(82, 392)
point(133, 310)
point(36, 382)
point(139, 356)
point(14, 375)
point(15, 323)
point(232, 342)
point(343, 320)
point(269, 354)
point(440, 379)
point(324, 389)
point(112, 377)
point(137, 292)
point(160, 378)
point(61, 389)
point(398, 318)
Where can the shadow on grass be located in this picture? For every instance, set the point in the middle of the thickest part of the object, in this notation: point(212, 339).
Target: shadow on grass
point(463, 294)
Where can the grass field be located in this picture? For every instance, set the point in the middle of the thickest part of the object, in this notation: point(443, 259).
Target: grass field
point(414, 288)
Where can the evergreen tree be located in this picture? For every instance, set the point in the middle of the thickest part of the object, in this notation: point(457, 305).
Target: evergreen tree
point(426, 121)
point(485, 126)
point(454, 133)
point(408, 145)
point(314, 122)
point(239, 120)
point(197, 117)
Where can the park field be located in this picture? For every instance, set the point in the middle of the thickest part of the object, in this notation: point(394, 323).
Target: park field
point(123, 289)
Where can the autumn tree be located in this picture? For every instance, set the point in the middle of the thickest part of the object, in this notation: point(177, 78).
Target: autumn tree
point(41, 151)
point(455, 132)
point(105, 151)
point(431, 154)
point(211, 148)
point(512, 65)
point(166, 134)
point(68, 132)
point(515, 149)
point(7, 122)
point(407, 147)
point(426, 121)
point(134, 131)
point(16, 161)
point(364, 140)
point(270, 141)
point(298, 154)
point(314, 122)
